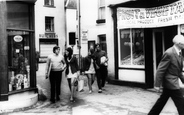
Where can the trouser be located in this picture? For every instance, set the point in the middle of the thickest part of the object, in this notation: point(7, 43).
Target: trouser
point(101, 74)
point(176, 96)
point(55, 83)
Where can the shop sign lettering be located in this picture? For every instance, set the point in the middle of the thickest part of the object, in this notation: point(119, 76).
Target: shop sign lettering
point(48, 35)
point(151, 17)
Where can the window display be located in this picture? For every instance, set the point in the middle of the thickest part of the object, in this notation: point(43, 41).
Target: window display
point(132, 47)
point(18, 54)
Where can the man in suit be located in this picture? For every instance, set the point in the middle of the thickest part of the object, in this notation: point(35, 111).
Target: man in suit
point(168, 73)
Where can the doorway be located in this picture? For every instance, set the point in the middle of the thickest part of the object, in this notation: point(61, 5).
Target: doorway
point(158, 47)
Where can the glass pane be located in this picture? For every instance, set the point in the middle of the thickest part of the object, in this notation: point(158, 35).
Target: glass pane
point(138, 46)
point(49, 24)
point(102, 13)
point(18, 59)
point(17, 15)
point(49, 2)
point(125, 47)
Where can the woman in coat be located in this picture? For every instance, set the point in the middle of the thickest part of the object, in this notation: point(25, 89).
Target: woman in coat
point(72, 71)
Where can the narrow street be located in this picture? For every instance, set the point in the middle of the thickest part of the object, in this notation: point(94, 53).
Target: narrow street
point(115, 100)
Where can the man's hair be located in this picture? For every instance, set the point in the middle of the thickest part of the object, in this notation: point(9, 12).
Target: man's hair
point(178, 39)
point(55, 48)
point(97, 44)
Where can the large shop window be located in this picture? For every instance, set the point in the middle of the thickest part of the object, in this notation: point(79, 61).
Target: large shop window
point(131, 48)
point(19, 59)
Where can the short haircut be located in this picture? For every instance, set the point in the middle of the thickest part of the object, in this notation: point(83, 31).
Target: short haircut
point(55, 48)
point(178, 39)
point(97, 44)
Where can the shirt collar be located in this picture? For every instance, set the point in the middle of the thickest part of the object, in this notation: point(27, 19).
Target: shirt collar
point(177, 50)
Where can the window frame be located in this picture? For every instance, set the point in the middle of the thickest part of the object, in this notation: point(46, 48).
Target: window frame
point(101, 13)
point(49, 3)
point(51, 24)
point(131, 49)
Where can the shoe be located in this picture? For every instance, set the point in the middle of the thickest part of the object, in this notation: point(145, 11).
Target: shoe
point(99, 91)
point(52, 100)
point(57, 98)
point(81, 90)
point(90, 91)
point(72, 100)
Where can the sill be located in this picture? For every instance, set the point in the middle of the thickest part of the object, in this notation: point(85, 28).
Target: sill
point(100, 21)
point(50, 6)
point(22, 90)
point(49, 32)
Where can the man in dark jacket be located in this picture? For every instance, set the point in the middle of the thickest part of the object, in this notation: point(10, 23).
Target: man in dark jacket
point(168, 73)
point(101, 59)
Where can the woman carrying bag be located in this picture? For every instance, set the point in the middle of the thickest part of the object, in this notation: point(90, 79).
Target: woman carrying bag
point(72, 71)
point(89, 69)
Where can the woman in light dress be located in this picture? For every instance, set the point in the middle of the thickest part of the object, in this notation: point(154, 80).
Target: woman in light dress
point(72, 71)
point(89, 68)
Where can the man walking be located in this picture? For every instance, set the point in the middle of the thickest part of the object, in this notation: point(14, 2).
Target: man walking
point(168, 73)
point(101, 59)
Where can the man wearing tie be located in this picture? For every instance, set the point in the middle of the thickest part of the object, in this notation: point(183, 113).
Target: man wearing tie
point(168, 73)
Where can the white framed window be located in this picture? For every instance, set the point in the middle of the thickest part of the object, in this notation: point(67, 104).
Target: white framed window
point(101, 9)
point(49, 2)
point(131, 48)
point(49, 24)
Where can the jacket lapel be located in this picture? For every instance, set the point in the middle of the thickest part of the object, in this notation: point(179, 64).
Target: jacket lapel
point(178, 58)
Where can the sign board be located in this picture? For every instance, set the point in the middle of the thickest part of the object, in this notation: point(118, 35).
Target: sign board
point(84, 36)
point(171, 14)
point(18, 38)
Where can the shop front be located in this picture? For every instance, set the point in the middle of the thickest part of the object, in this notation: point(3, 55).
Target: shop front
point(18, 62)
point(142, 33)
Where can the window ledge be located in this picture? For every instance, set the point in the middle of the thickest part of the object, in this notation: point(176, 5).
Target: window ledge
point(50, 6)
point(100, 21)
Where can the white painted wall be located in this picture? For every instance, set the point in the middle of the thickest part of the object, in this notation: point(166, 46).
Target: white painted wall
point(59, 19)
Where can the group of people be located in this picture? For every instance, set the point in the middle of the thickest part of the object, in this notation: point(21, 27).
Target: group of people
point(94, 64)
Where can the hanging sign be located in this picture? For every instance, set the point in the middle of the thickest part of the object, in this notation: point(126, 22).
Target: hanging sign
point(171, 14)
point(17, 38)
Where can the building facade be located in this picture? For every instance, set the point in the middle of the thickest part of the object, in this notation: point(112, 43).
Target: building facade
point(18, 69)
point(50, 26)
point(134, 33)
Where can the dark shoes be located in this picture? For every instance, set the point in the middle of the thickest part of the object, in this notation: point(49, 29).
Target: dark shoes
point(58, 98)
point(99, 91)
point(52, 100)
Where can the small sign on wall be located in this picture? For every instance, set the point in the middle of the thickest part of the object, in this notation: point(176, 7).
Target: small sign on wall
point(18, 38)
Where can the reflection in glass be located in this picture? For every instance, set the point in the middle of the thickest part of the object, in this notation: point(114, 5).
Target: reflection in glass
point(19, 61)
point(132, 46)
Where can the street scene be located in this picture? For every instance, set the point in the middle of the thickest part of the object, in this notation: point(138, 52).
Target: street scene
point(115, 100)
point(94, 57)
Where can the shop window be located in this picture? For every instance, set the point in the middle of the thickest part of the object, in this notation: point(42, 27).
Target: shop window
point(19, 59)
point(101, 12)
point(131, 48)
point(49, 24)
point(49, 2)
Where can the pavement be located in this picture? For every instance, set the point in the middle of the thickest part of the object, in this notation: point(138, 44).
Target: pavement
point(114, 100)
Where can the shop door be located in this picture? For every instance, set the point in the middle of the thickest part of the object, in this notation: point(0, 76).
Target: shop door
point(158, 47)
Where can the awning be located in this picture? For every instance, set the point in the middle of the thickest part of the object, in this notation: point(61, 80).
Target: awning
point(143, 3)
point(28, 1)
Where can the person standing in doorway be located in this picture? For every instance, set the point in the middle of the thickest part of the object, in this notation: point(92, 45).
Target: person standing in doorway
point(72, 71)
point(168, 73)
point(54, 68)
point(101, 64)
